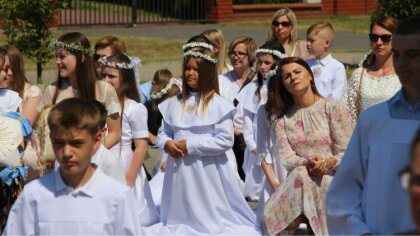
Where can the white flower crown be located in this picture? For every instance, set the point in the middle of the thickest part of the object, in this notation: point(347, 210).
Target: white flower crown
point(271, 73)
point(122, 65)
point(164, 91)
point(71, 46)
point(276, 53)
point(201, 55)
point(364, 58)
point(197, 44)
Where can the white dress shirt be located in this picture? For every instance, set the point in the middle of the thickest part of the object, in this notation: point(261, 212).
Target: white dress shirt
point(330, 76)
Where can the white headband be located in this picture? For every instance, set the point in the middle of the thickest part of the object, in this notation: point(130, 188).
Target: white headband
point(276, 53)
point(197, 44)
point(201, 55)
point(121, 65)
point(165, 90)
point(271, 73)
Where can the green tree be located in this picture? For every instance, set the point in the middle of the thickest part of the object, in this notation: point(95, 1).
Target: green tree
point(27, 26)
point(399, 9)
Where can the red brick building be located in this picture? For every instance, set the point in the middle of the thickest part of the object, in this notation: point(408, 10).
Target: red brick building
point(225, 10)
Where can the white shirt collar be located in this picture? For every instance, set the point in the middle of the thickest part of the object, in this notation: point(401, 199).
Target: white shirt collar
point(324, 61)
point(88, 189)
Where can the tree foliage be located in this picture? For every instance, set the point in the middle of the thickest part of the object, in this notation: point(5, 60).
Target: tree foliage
point(27, 26)
point(399, 9)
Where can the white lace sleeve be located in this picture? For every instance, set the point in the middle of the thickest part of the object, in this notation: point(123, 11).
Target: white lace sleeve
point(109, 98)
point(350, 96)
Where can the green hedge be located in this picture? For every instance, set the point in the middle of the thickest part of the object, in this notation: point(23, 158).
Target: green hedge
point(399, 9)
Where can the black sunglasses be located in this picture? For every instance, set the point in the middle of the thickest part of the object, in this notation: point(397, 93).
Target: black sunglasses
point(385, 38)
point(97, 56)
point(285, 24)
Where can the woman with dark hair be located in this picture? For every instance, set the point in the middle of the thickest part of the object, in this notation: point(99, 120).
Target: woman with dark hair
point(375, 80)
point(311, 134)
point(77, 78)
point(251, 97)
point(200, 195)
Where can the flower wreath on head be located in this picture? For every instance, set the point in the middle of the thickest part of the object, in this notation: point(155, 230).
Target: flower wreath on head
point(197, 44)
point(200, 55)
point(121, 65)
point(276, 53)
point(165, 90)
point(71, 47)
point(271, 73)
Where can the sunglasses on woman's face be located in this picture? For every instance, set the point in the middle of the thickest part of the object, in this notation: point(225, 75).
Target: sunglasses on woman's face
point(285, 24)
point(97, 56)
point(385, 38)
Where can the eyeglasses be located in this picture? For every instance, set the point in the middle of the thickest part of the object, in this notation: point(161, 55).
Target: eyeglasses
point(408, 179)
point(385, 38)
point(285, 24)
point(5, 68)
point(240, 55)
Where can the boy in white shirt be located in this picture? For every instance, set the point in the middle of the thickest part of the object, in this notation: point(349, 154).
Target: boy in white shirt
point(78, 198)
point(329, 74)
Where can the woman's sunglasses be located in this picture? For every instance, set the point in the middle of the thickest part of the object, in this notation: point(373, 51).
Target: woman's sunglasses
point(385, 38)
point(285, 24)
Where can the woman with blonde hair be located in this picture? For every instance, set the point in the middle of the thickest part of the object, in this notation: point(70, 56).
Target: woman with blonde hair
point(215, 36)
point(284, 29)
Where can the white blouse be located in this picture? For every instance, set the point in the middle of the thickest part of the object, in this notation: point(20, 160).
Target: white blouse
point(374, 90)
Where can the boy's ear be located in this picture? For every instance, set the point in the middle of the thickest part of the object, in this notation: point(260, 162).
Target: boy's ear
point(328, 43)
point(97, 138)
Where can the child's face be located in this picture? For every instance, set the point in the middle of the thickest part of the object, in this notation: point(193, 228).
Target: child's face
point(264, 63)
point(112, 76)
point(7, 80)
point(316, 45)
point(74, 150)
point(66, 63)
point(191, 74)
point(3, 76)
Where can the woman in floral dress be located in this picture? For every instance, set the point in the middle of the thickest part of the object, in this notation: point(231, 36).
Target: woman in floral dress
point(311, 134)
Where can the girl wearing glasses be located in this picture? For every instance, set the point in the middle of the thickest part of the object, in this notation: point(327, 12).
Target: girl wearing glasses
point(375, 80)
point(284, 30)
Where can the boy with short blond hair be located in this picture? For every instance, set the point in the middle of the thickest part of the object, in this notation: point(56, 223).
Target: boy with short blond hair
point(329, 74)
point(77, 198)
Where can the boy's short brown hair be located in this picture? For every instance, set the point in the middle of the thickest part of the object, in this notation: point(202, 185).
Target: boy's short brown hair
point(327, 28)
point(74, 114)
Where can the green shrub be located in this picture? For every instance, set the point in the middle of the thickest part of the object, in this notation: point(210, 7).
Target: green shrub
point(399, 9)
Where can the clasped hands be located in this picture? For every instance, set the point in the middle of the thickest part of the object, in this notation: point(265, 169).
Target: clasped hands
point(177, 149)
point(317, 166)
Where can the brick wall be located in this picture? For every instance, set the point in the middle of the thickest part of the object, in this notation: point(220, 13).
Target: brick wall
point(224, 10)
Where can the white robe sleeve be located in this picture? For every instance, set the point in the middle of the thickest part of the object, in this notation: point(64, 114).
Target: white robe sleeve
point(21, 218)
point(220, 143)
point(165, 133)
point(249, 130)
point(344, 210)
point(127, 222)
point(263, 136)
point(138, 121)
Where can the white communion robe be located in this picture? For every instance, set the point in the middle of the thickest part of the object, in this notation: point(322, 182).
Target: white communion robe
point(108, 163)
point(267, 150)
point(254, 174)
point(200, 194)
point(103, 206)
point(366, 195)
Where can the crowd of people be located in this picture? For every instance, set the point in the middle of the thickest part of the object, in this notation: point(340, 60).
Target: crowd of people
point(280, 125)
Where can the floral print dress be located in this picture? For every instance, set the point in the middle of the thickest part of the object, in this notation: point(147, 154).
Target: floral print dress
point(322, 130)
